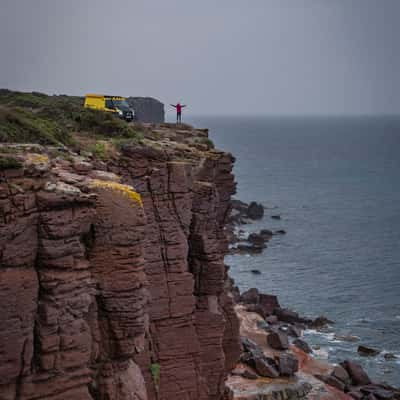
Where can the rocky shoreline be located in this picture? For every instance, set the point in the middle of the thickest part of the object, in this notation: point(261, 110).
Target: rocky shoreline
point(272, 343)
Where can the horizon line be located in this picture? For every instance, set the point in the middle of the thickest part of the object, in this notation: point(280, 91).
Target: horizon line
point(316, 115)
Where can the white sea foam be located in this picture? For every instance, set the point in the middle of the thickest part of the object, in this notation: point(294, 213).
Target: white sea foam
point(321, 353)
point(330, 336)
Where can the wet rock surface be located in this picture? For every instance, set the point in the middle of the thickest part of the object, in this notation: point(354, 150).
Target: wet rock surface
point(255, 210)
point(273, 349)
point(303, 345)
point(367, 351)
point(243, 214)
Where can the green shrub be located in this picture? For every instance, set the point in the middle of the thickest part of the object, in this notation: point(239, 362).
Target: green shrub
point(99, 150)
point(104, 124)
point(136, 138)
point(155, 374)
point(7, 150)
point(19, 125)
point(206, 141)
point(36, 100)
point(209, 143)
point(9, 163)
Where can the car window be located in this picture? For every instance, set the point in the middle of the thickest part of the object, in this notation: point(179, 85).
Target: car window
point(109, 103)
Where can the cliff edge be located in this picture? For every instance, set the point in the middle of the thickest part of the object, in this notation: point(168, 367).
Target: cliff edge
point(112, 244)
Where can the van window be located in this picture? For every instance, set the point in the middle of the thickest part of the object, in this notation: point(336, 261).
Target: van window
point(121, 104)
point(109, 104)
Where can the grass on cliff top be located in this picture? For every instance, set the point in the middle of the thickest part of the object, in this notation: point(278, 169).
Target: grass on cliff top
point(9, 163)
point(53, 120)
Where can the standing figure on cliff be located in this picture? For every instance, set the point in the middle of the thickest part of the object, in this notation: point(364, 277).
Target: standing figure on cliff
point(178, 107)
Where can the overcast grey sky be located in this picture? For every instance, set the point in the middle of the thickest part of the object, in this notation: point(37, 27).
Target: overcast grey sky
point(217, 56)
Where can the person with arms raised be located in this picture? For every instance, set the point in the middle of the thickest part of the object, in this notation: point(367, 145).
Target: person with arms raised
point(178, 107)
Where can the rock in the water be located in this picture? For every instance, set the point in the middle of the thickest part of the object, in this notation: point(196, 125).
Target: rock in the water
point(356, 372)
point(280, 232)
point(257, 239)
point(378, 391)
point(367, 351)
point(320, 322)
point(255, 210)
point(390, 357)
point(255, 271)
point(288, 364)
point(239, 205)
point(275, 216)
point(286, 315)
point(251, 249)
point(302, 345)
point(266, 234)
point(340, 373)
point(278, 340)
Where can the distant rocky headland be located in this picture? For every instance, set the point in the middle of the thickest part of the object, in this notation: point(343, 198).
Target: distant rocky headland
point(147, 109)
point(113, 284)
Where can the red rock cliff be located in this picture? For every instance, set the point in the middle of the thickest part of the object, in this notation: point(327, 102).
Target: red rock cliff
point(106, 296)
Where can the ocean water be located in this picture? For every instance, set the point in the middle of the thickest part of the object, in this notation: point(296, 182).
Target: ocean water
point(336, 184)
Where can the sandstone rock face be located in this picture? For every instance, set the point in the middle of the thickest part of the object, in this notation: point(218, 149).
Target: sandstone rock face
point(194, 330)
point(73, 313)
point(97, 289)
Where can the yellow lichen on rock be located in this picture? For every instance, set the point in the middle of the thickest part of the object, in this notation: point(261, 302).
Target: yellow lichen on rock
point(37, 159)
point(125, 190)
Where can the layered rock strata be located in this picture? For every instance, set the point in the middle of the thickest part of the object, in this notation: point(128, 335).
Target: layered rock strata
point(109, 295)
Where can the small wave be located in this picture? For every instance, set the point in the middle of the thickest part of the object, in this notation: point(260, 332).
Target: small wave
point(346, 338)
point(321, 353)
point(396, 356)
point(365, 320)
point(327, 335)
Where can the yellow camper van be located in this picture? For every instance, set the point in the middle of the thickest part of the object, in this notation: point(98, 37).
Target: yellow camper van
point(113, 104)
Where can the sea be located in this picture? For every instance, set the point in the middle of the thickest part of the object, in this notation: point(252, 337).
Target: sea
point(335, 182)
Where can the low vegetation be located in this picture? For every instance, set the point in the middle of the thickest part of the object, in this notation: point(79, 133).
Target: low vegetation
point(53, 120)
point(9, 163)
point(155, 374)
point(208, 142)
